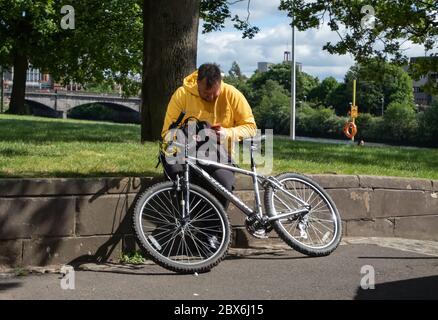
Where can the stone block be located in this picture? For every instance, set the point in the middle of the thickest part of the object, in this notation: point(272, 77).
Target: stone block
point(35, 217)
point(397, 203)
point(435, 185)
point(131, 184)
point(243, 183)
point(237, 217)
point(376, 182)
point(11, 253)
point(352, 203)
point(102, 215)
point(370, 228)
point(421, 228)
point(330, 181)
point(46, 187)
point(71, 250)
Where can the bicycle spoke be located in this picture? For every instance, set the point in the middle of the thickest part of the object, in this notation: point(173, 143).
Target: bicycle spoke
point(178, 240)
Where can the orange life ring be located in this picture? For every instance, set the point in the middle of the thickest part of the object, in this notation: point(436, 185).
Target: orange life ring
point(350, 129)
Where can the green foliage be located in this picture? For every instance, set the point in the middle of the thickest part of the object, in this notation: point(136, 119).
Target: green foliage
point(324, 90)
point(236, 73)
point(400, 122)
point(376, 80)
point(135, 257)
point(273, 110)
point(394, 20)
point(21, 272)
point(97, 49)
point(281, 73)
point(215, 13)
point(428, 125)
point(319, 122)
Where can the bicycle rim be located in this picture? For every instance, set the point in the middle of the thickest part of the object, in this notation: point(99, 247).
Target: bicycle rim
point(319, 228)
point(187, 243)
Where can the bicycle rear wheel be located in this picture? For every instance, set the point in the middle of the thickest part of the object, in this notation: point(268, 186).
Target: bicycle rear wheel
point(188, 245)
point(315, 232)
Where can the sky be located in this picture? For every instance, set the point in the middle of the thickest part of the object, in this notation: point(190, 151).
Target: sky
point(275, 37)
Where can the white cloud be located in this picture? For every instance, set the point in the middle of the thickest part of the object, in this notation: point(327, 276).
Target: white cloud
point(269, 45)
point(274, 38)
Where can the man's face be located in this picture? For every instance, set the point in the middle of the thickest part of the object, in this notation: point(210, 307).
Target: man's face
point(209, 94)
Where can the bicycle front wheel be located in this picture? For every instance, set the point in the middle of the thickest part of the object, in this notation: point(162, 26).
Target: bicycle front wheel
point(194, 244)
point(315, 229)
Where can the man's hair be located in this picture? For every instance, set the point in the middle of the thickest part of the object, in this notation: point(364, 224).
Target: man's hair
point(211, 72)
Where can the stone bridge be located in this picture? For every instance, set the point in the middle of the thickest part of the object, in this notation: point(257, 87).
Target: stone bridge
point(64, 101)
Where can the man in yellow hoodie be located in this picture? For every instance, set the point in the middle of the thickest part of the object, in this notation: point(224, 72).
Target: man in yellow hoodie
point(206, 97)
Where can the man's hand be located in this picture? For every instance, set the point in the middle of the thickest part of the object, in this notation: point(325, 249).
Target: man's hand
point(221, 132)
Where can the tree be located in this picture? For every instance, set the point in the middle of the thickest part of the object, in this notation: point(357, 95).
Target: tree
point(25, 27)
point(376, 80)
point(324, 90)
point(170, 47)
point(400, 121)
point(281, 73)
point(370, 29)
point(236, 73)
point(273, 110)
point(94, 50)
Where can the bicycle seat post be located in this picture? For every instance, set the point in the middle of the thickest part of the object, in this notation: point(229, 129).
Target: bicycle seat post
point(186, 186)
point(254, 180)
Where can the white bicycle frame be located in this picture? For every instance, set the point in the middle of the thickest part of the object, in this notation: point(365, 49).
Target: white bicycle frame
point(190, 162)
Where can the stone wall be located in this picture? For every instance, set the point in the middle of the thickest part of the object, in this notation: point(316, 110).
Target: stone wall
point(57, 221)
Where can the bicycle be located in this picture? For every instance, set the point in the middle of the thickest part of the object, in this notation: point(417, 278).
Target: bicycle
point(184, 228)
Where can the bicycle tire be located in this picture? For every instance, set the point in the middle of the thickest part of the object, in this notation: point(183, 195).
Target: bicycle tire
point(150, 244)
point(290, 235)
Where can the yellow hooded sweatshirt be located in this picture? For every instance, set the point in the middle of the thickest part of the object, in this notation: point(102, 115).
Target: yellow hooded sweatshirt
point(230, 109)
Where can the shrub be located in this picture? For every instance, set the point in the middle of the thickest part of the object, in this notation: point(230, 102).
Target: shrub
point(400, 122)
point(320, 122)
point(428, 126)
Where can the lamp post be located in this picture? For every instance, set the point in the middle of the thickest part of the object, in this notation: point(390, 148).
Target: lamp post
point(293, 86)
point(383, 102)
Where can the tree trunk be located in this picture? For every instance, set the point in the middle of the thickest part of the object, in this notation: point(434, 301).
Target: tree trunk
point(170, 32)
point(19, 84)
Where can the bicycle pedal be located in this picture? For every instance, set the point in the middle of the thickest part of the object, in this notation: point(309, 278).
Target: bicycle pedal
point(259, 234)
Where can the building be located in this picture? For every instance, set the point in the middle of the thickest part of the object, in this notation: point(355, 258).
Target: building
point(37, 80)
point(263, 66)
point(288, 60)
point(422, 98)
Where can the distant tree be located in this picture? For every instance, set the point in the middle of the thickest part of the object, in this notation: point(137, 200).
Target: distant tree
point(273, 109)
point(370, 29)
point(281, 73)
point(89, 45)
point(235, 72)
point(324, 90)
point(376, 80)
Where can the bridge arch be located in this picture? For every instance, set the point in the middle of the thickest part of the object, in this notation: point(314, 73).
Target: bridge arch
point(104, 111)
point(42, 110)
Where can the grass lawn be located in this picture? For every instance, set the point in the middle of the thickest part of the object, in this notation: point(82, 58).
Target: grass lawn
point(41, 147)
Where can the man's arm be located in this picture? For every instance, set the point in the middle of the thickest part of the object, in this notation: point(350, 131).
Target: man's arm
point(174, 109)
point(244, 123)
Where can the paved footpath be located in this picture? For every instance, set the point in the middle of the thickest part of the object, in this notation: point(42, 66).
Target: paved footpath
point(402, 269)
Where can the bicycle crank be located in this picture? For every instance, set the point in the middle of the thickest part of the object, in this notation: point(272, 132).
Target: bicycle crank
point(258, 227)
